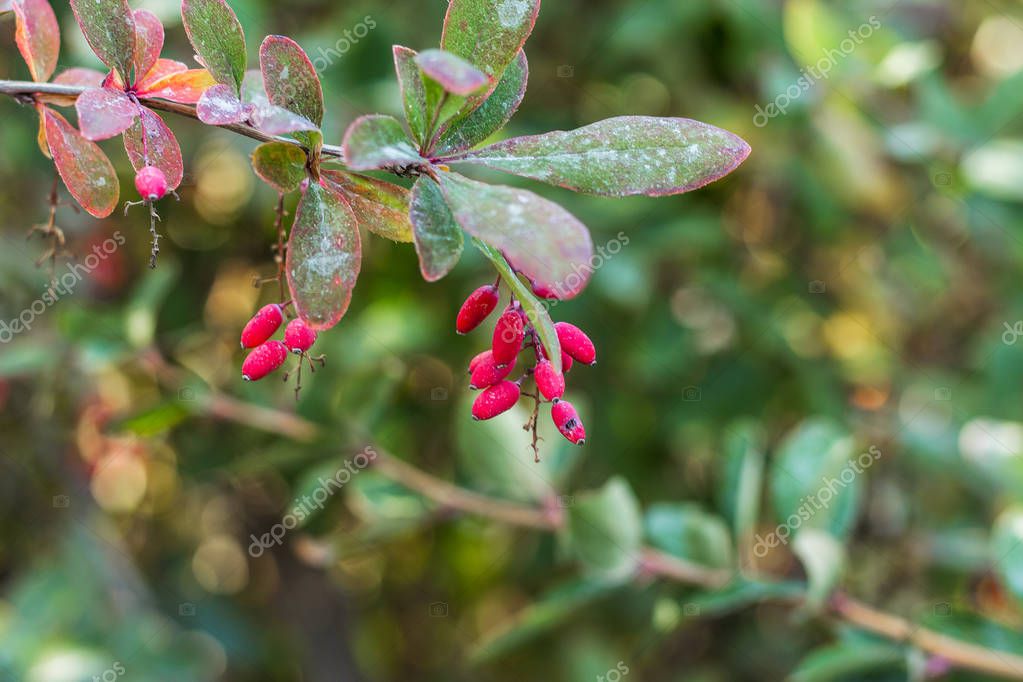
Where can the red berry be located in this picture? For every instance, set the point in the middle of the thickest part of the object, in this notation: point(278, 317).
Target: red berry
point(495, 400)
point(550, 381)
point(263, 360)
point(567, 420)
point(508, 335)
point(575, 342)
point(476, 360)
point(544, 292)
point(262, 325)
point(151, 183)
point(566, 362)
point(298, 337)
point(476, 308)
point(487, 373)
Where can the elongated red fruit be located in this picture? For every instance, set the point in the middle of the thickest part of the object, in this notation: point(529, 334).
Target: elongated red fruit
point(476, 360)
point(151, 183)
point(263, 360)
point(567, 420)
point(262, 325)
point(487, 373)
point(495, 400)
point(566, 362)
point(476, 308)
point(575, 342)
point(508, 335)
point(298, 337)
point(550, 381)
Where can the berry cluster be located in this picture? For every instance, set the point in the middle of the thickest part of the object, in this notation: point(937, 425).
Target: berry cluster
point(267, 354)
point(514, 334)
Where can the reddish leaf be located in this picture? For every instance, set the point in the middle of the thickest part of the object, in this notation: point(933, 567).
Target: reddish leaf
point(324, 257)
point(37, 36)
point(264, 116)
point(148, 42)
point(84, 168)
point(89, 78)
point(161, 69)
point(103, 113)
point(219, 106)
point(381, 207)
point(41, 132)
point(109, 27)
point(290, 79)
point(218, 38)
point(540, 239)
point(454, 74)
point(185, 87)
point(159, 148)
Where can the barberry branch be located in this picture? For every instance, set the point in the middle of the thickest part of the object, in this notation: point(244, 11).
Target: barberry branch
point(55, 93)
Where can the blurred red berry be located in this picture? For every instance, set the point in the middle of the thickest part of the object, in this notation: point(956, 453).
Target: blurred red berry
point(508, 335)
point(476, 360)
point(477, 307)
point(549, 380)
point(495, 400)
point(575, 342)
point(487, 373)
point(151, 183)
point(262, 325)
point(566, 362)
point(567, 420)
point(263, 360)
point(544, 292)
point(298, 337)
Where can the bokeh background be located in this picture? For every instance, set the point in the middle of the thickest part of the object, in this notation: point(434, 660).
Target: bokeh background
point(859, 274)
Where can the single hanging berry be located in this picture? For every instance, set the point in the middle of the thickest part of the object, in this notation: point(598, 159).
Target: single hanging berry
point(262, 326)
point(550, 381)
point(575, 342)
point(487, 372)
point(263, 360)
point(495, 400)
point(477, 307)
point(151, 183)
point(298, 337)
point(567, 420)
point(508, 335)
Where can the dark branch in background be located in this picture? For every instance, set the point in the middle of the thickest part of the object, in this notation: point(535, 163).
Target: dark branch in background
point(652, 562)
point(66, 94)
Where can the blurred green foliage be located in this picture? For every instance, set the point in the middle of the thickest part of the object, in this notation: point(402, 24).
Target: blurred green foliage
point(854, 285)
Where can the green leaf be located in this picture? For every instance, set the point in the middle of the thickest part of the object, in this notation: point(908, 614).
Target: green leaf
point(488, 33)
point(381, 207)
point(605, 530)
point(324, 257)
point(469, 131)
point(537, 237)
point(743, 479)
point(437, 236)
point(109, 27)
point(688, 532)
point(740, 594)
point(549, 612)
point(291, 83)
point(815, 481)
point(620, 156)
point(536, 310)
point(839, 661)
point(280, 165)
point(413, 92)
point(217, 36)
point(374, 498)
point(1007, 549)
point(377, 141)
point(84, 168)
point(453, 73)
point(823, 559)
